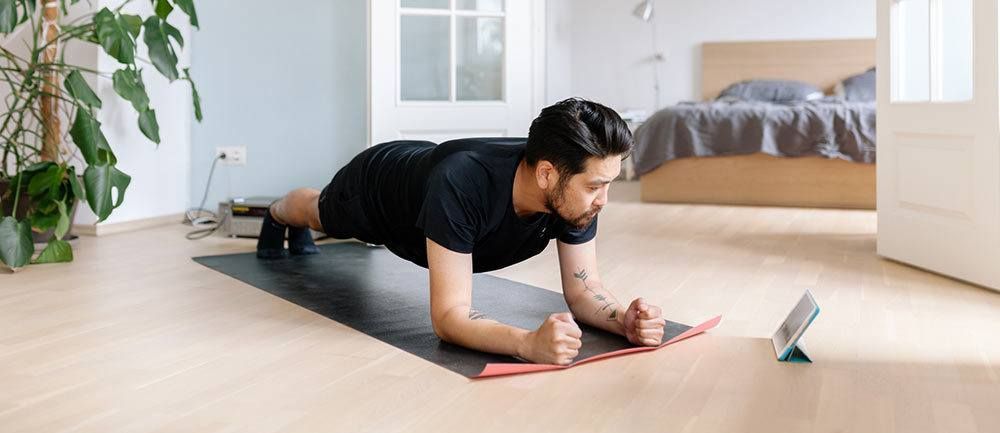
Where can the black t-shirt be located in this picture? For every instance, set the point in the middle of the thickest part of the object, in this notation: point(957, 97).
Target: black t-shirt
point(458, 194)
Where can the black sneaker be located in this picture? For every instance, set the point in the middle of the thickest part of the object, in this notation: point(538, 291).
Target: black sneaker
point(300, 241)
point(271, 242)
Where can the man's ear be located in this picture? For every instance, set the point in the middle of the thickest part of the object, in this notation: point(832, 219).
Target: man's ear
point(546, 174)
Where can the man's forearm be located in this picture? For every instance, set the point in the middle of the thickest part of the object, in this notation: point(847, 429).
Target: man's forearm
point(472, 329)
point(596, 306)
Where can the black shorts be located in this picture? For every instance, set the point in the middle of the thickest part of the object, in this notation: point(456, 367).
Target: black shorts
point(341, 207)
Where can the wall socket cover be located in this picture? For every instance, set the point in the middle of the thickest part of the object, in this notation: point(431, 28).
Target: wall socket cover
point(235, 155)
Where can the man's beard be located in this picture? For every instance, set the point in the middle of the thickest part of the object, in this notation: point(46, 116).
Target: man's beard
point(555, 200)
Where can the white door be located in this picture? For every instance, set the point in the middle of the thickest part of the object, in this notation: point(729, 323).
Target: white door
point(939, 137)
point(443, 69)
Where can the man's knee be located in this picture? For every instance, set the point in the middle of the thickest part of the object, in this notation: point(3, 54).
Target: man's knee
point(300, 207)
point(302, 196)
point(308, 206)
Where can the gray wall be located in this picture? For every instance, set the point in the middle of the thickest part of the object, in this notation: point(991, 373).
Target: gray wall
point(286, 80)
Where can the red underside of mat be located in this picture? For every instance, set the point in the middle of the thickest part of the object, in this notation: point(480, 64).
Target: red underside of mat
point(502, 369)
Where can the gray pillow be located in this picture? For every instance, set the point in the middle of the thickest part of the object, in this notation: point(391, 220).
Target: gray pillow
point(772, 91)
point(860, 87)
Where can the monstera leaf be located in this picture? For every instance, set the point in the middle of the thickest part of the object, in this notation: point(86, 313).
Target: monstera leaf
point(101, 181)
point(16, 246)
point(115, 35)
point(160, 51)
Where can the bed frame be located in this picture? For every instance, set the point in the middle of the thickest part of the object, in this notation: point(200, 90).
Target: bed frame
point(760, 179)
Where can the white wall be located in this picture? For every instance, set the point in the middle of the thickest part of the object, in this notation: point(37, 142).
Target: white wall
point(609, 48)
point(160, 174)
point(558, 50)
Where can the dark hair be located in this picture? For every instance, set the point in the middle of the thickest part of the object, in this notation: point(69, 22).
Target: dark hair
point(569, 132)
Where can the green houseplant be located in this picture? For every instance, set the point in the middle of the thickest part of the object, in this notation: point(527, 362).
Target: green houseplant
point(41, 179)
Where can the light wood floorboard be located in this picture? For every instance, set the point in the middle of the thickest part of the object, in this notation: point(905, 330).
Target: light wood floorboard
point(135, 337)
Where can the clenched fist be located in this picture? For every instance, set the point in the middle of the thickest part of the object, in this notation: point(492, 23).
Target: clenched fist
point(643, 323)
point(556, 341)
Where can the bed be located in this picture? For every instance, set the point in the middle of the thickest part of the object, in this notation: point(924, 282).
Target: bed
point(819, 153)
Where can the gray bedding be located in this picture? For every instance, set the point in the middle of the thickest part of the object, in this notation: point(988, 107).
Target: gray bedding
point(828, 127)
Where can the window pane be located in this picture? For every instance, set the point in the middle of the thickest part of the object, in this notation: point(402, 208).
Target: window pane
point(424, 57)
point(911, 50)
point(955, 46)
point(479, 54)
point(426, 4)
point(481, 5)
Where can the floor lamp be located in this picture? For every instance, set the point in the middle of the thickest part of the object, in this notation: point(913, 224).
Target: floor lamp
point(644, 11)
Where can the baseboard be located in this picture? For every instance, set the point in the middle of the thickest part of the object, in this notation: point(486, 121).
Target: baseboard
point(126, 226)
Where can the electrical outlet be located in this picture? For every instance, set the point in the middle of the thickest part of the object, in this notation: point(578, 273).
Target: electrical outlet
point(235, 155)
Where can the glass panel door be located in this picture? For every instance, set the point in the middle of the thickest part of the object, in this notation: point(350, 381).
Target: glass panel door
point(479, 58)
point(452, 50)
point(481, 5)
point(424, 45)
point(426, 4)
point(931, 49)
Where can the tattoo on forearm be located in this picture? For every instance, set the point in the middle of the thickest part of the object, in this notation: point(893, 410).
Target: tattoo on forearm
point(474, 314)
point(582, 276)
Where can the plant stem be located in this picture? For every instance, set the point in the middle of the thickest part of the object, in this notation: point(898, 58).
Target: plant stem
point(48, 29)
point(17, 189)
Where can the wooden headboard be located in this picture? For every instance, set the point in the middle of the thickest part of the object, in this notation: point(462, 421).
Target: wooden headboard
point(823, 63)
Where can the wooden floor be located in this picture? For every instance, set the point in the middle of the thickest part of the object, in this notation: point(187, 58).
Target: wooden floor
point(135, 337)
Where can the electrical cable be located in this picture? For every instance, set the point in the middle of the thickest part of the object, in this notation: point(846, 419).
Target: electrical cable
point(210, 223)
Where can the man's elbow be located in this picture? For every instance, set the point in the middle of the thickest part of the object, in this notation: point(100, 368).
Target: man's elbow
point(571, 302)
point(441, 329)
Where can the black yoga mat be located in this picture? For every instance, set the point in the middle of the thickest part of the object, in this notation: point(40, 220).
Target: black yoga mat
point(375, 292)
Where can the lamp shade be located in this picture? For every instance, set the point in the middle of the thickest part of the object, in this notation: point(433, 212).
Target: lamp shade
point(644, 10)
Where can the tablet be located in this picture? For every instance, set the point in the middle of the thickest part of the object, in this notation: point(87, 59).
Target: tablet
point(788, 334)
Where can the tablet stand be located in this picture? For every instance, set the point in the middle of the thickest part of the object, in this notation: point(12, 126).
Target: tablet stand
point(797, 354)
